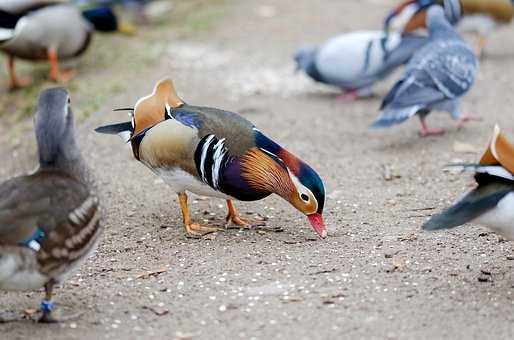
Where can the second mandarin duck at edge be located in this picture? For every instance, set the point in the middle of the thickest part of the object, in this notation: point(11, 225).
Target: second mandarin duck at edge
point(216, 153)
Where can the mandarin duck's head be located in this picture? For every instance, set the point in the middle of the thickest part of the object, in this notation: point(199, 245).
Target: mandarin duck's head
point(413, 14)
point(148, 111)
point(271, 168)
point(54, 126)
point(309, 196)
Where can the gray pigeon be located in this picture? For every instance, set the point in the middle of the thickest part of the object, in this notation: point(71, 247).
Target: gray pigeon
point(354, 61)
point(436, 78)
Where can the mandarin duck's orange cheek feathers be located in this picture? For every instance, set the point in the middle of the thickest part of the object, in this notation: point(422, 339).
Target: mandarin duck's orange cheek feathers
point(301, 185)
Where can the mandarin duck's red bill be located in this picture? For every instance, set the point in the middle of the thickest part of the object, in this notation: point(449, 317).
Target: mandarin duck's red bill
point(491, 203)
point(216, 153)
point(49, 220)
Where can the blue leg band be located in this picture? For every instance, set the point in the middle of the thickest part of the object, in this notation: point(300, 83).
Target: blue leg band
point(47, 306)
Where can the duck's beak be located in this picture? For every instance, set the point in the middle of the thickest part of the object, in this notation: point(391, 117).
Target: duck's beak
point(318, 225)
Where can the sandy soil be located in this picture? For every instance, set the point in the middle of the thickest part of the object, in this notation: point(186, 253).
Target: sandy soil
point(377, 275)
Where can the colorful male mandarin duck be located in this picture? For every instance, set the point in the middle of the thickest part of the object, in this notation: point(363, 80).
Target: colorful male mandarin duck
point(49, 220)
point(491, 203)
point(479, 16)
point(436, 78)
point(354, 61)
point(49, 30)
point(217, 153)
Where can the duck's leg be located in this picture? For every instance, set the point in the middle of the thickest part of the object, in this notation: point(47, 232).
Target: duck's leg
point(47, 305)
point(55, 73)
point(426, 131)
point(193, 229)
point(15, 82)
point(234, 218)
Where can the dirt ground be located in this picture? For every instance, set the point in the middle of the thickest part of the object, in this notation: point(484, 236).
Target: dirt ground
point(377, 275)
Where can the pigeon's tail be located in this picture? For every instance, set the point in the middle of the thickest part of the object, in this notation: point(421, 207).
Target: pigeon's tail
point(473, 205)
point(390, 117)
point(6, 34)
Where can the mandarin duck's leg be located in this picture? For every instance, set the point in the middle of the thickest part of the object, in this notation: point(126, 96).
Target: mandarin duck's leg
point(56, 74)
point(234, 218)
point(193, 229)
point(47, 305)
point(426, 131)
point(15, 82)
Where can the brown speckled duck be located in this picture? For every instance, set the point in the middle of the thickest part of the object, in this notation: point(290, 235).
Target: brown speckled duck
point(49, 220)
point(216, 153)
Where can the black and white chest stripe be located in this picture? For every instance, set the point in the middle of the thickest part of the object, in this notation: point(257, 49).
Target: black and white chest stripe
point(210, 159)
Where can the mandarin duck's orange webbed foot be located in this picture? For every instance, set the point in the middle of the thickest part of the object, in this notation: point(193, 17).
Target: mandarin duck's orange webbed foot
point(235, 221)
point(193, 230)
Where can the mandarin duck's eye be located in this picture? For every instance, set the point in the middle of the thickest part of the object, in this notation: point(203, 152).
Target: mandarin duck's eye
point(304, 197)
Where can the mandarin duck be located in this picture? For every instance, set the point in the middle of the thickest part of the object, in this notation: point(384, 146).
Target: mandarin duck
point(48, 30)
point(216, 153)
point(49, 220)
point(436, 78)
point(478, 16)
point(491, 203)
point(354, 61)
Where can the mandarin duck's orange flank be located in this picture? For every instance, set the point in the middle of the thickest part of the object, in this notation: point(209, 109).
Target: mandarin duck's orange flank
point(217, 153)
point(49, 220)
point(491, 203)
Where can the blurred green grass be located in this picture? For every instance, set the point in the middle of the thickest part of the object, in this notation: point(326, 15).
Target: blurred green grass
point(109, 65)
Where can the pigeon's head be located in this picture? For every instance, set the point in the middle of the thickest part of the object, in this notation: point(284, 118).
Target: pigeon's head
point(304, 58)
point(54, 126)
